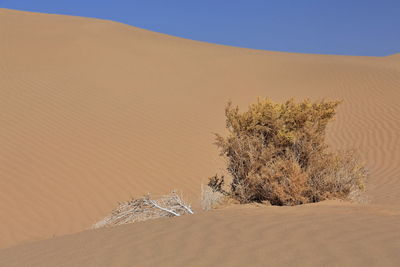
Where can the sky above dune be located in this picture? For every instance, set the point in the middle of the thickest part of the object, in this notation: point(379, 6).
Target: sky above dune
point(356, 27)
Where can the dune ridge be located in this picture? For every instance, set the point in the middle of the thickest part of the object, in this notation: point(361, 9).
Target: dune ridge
point(93, 112)
point(330, 235)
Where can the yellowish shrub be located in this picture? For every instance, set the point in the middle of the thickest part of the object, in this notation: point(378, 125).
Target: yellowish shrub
point(277, 152)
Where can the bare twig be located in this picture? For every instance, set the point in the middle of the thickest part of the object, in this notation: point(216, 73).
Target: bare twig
point(152, 202)
point(145, 208)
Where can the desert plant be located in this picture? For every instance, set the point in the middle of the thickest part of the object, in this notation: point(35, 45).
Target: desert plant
point(210, 198)
point(277, 153)
point(145, 208)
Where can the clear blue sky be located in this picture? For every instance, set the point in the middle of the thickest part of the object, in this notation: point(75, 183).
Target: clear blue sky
point(347, 27)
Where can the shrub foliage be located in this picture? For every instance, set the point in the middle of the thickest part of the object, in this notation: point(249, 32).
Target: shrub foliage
point(277, 153)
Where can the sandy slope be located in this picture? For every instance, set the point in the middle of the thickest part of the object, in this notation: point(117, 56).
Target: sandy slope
point(321, 235)
point(92, 112)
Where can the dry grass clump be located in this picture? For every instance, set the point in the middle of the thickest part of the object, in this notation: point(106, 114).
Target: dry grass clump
point(143, 209)
point(277, 153)
point(210, 198)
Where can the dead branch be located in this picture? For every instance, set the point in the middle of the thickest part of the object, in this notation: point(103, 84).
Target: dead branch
point(145, 208)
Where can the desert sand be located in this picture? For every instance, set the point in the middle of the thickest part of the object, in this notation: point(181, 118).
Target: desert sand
point(93, 112)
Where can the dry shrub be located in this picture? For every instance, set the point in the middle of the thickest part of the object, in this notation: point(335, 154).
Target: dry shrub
point(210, 198)
point(277, 153)
point(143, 209)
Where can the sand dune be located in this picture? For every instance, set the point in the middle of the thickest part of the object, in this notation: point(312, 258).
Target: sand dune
point(93, 112)
point(319, 235)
